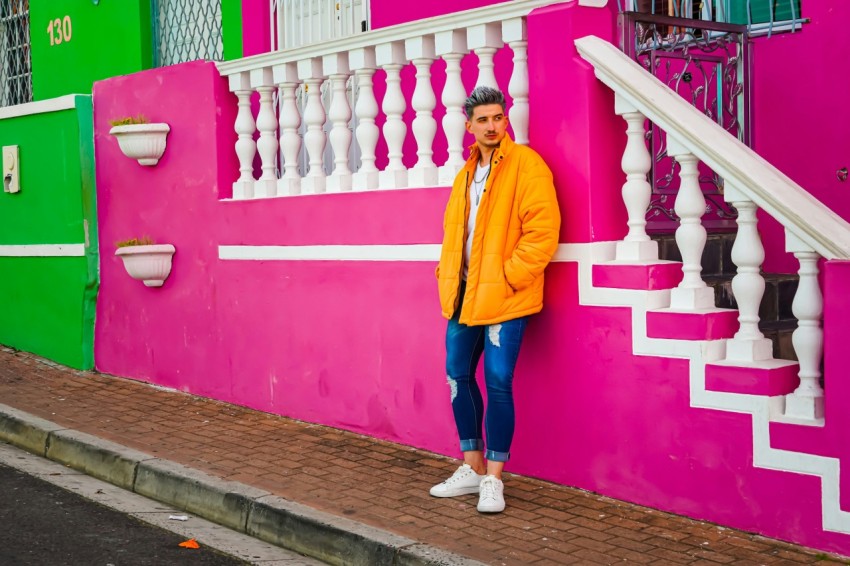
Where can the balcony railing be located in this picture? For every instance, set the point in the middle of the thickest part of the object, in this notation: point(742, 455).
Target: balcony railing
point(305, 101)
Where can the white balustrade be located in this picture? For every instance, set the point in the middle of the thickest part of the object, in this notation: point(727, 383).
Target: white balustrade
point(806, 402)
point(336, 66)
point(692, 293)
point(636, 163)
point(485, 40)
point(513, 33)
point(390, 56)
point(310, 71)
point(246, 148)
point(366, 108)
point(290, 121)
point(267, 144)
point(748, 344)
point(326, 97)
point(420, 50)
point(451, 46)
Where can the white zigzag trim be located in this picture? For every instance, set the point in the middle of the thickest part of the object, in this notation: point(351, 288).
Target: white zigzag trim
point(698, 353)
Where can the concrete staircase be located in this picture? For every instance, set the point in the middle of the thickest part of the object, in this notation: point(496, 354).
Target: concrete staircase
point(777, 320)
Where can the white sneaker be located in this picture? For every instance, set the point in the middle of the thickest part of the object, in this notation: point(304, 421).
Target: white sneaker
point(462, 482)
point(491, 498)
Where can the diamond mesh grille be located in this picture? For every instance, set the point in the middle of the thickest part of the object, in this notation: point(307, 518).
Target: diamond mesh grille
point(15, 63)
point(187, 30)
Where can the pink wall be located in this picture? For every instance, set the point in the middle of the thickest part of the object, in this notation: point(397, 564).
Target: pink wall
point(358, 345)
point(801, 112)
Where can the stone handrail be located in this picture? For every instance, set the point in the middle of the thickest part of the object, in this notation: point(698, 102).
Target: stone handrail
point(792, 206)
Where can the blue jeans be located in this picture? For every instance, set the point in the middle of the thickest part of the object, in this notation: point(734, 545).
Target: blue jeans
point(500, 345)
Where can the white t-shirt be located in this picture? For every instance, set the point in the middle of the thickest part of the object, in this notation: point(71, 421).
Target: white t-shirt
point(476, 191)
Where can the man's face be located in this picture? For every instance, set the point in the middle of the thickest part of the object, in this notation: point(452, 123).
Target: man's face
point(488, 124)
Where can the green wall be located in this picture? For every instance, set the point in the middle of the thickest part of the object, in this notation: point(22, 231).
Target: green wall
point(231, 29)
point(48, 302)
point(110, 38)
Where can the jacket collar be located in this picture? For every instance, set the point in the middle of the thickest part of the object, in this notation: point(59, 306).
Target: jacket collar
point(505, 147)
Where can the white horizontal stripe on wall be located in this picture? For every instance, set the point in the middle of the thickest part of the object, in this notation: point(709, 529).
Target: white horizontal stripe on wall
point(66, 102)
point(409, 252)
point(43, 250)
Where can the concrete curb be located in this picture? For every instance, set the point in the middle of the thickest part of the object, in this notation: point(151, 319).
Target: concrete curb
point(291, 525)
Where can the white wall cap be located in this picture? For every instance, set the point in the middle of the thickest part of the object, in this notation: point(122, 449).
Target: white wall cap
point(514, 30)
point(286, 73)
point(420, 47)
point(262, 77)
point(457, 20)
point(336, 63)
point(310, 69)
point(623, 106)
point(453, 41)
point(239, 81)
point(362, 58)
point(390, 54)
point(484, 35)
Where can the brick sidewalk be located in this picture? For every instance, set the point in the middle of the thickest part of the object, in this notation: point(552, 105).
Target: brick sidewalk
point(374, 482)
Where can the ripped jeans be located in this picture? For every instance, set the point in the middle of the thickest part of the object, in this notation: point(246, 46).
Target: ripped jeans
point(500, 345)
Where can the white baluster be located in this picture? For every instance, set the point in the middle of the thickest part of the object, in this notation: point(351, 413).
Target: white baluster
point(262, 81)
point(692, 292)
point(749, 344)
point(806, 402)
point(421, 51)
point(286, 76)
point(366, 109)
point(310, 71)
point(451, 45)
point(246, 148)
point(390, 56)
point(485, 40)
point(513, 33)
point(339, 114)
point(636, 163)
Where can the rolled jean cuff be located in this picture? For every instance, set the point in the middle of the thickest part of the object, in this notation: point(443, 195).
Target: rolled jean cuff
point(497, 456)
point(474, 444)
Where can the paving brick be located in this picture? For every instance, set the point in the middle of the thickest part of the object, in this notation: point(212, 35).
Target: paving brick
point(376, 482)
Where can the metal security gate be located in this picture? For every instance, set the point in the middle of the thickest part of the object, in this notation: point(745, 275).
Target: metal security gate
point(15, 61)
point(187, 30)
point(302, 22)
point(708, 64)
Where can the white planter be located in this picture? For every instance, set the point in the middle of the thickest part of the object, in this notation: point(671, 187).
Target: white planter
point(150, 264)
point(143, 142)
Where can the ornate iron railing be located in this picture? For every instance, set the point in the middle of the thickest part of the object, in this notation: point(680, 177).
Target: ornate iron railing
point(708, 64)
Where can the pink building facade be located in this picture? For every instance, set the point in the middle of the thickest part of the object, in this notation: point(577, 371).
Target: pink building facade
point(323, 307)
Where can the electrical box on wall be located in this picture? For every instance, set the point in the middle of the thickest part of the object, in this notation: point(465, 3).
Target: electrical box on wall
point(11, 169)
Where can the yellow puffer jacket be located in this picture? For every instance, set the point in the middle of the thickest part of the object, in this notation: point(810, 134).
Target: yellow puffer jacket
point(516, 233)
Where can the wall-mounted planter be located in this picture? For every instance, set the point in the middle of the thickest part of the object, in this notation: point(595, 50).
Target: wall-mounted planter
point(142, 142)
point(150, 264)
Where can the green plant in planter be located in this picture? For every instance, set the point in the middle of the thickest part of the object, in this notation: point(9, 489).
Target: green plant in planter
point(129, 120)
point(143, 241)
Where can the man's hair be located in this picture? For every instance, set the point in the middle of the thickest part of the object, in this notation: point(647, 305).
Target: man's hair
point(482, 96)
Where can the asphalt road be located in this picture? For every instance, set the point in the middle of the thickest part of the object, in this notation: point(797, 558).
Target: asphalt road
point(53, 515)
point(44, 524)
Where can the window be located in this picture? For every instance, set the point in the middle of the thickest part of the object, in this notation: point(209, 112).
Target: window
point(302, 22)
point(15, 63)
point(187, 30)
point(761, 16)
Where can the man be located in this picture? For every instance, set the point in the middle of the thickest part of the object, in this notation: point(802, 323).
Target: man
point(500, 231)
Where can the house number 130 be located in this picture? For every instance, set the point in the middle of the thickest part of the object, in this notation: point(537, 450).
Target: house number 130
point(59, 30)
